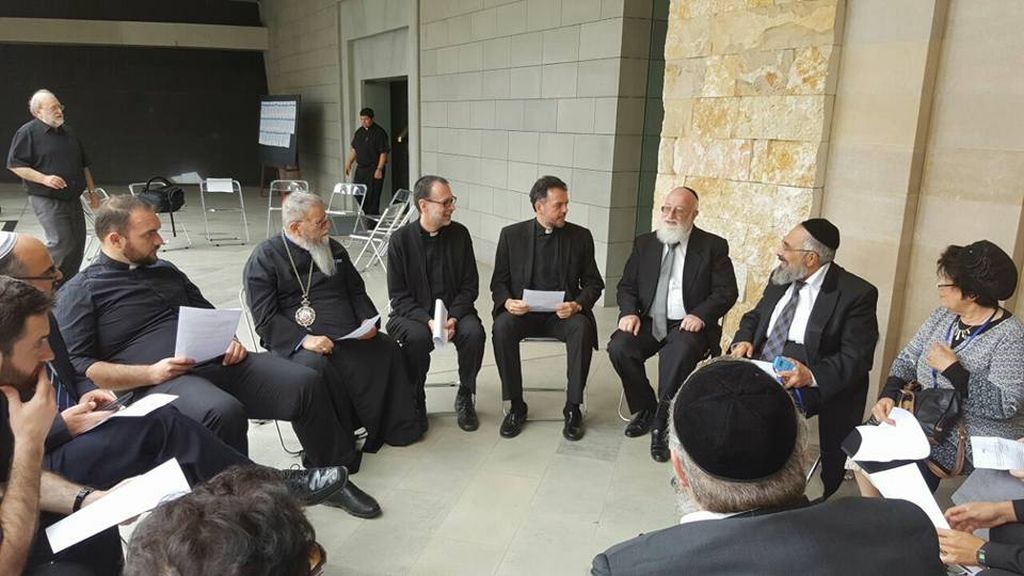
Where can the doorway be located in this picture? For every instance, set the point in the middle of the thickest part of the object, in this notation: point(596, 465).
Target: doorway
point(389, 98)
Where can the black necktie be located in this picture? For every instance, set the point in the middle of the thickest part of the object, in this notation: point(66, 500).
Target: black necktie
point(780, 331)
point(64, 400)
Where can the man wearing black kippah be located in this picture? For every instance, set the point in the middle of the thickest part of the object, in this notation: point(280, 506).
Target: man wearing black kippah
point(737, 450)
point(820, 319)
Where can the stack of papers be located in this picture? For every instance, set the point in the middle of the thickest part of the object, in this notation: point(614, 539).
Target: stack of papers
point(203, 333)
point(363, 329)
point(543, 300)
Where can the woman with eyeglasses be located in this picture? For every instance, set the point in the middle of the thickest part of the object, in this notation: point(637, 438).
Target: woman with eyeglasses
point(971, 344)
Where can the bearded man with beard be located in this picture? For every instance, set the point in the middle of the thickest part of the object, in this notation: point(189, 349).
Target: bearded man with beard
point(822, 319)
point(119, 319)
point(305, 295)
point(677, 285)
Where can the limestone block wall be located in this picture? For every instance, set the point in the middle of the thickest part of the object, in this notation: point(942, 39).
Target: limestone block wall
point(748, 93)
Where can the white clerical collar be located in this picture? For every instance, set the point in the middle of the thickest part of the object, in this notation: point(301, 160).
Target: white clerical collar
point(702, 515)
point(815, 280)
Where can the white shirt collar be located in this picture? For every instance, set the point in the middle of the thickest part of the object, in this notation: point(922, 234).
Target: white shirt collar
point(702, 515)
point(815, 280)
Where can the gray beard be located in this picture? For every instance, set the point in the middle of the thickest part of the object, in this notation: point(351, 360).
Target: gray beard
point(672, 234)
point(782, 276)
point(320, 252)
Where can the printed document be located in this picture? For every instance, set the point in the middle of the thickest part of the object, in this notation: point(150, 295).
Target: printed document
point(204, 334)
point(543, 300)
point(997, 453)
point(362, 330)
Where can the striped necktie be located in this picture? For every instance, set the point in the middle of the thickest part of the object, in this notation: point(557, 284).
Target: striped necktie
point(780, 331)
point(64, 400)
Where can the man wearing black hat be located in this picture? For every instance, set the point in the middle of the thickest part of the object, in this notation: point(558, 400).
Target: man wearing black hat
point(820, 318)
point(737, 449)
point(370, 147)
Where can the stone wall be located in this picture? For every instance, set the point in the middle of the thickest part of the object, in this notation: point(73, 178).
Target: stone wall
point(749, 90)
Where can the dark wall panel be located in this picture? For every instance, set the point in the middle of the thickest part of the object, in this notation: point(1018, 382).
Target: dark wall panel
point(144, 111)
point(191, 11)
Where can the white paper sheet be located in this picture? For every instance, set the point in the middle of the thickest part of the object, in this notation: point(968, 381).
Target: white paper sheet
point(997, 453)
point(141, 494)
point(220, 185)
point(543, 300)
point(140, 408)
point(887, 442)
point(204, 334)
point(767, 367)
point(440, 320)
point(363, 329)
point(906, 483)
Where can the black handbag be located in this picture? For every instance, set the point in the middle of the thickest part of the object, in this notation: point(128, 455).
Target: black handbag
point(939, 411)
point(164, 197)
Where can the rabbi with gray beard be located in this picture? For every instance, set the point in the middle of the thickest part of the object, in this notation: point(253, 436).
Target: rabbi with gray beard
point(821, 319)
point(677, 285)
point(305, 295)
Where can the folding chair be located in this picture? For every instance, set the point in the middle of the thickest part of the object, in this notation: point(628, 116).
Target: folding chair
point(346, 201)
point(250, 327)
point(282, 188)
point(222, 186)
point(92, 243)
point(134, 188)
point(547, 389)
point(376, 242)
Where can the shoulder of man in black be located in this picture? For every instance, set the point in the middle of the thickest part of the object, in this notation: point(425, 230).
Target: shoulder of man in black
point(580, 231)
point(708, 238)
point(847, 281)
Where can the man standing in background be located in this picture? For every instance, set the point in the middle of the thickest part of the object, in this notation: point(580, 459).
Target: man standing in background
point(370, 147)
point(51, 161)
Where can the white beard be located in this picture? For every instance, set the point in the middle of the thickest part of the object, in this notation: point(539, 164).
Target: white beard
point(672, 234)
point(320, 251)
point(783, 276)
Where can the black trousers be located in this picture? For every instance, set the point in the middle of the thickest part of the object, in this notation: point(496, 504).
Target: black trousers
point(223, 398)
point(99, 555)
point(678, 354)
point(364, 175)
point(124, 447)
point(369, 387)
point(577, 331)
point(417, 343)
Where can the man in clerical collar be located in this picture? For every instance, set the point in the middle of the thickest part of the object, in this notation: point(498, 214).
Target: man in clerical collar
point(738, 451)
point(310, 306)
point(545, 253)
point(431, 259)
point(119, 319)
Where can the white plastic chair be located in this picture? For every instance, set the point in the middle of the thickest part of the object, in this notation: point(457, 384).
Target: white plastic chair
point(376, 242)
point(222, 186)
point(92, 243)
point(280, 189)
point(135, 188)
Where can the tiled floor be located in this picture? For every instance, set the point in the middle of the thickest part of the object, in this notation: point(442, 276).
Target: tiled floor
point(457, 502)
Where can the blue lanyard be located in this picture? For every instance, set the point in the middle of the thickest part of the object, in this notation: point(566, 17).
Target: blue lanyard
point(963, 345)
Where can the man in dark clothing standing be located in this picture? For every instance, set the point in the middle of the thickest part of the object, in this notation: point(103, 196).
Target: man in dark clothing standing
point(545, 253)
point(370, 147)
point(51, 161)
point(432, 259)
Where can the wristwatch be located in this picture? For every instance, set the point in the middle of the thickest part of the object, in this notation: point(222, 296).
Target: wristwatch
point(80, 497)
point(981, 557)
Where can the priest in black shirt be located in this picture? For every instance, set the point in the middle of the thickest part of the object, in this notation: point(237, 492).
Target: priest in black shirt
point(432, 259)
point(545, 253)
point(370, 147)
point(119, 319)
point(305, 296)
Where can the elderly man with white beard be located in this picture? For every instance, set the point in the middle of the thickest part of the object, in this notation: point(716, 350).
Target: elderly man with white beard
point(305, 296)
point(677, 285)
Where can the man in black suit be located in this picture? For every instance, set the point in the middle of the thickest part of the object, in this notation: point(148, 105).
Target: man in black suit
point(545, 253)
point(822, 319)
point(432, 259)
point(738, 457)
point(677, 285)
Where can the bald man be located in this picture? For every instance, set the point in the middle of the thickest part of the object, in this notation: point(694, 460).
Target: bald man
point(677, 285)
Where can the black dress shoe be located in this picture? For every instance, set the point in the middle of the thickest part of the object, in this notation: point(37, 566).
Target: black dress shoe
point(640, 424)
point(659, 445)
point(354, 501)
point(513, 424)
point(314, 485)
point(465, 412)
point(573, 429)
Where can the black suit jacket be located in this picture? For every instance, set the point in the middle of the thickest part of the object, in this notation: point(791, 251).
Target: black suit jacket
point(408, 284)
point(75, 385)
point(709, 283)
point(842, 332)
point(513, 266)
point(846, 537)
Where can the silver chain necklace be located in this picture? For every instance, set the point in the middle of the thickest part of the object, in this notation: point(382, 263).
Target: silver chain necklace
point(305, 315)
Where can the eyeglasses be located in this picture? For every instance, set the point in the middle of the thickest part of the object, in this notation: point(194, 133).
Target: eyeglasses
point(785, 248)
point(57, 108)
point(51, 277)
point(317, 559)
point(446, 203)
point(944, 285)
point(674, 210)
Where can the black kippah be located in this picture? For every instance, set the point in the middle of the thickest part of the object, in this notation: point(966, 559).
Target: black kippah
point(823, 231)
point(735, 422)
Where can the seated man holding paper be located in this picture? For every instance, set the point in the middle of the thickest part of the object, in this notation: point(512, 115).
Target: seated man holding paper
point(738, 451)
point(310, 306)
point(119, 319)
point(545, 284)
point(431, 260)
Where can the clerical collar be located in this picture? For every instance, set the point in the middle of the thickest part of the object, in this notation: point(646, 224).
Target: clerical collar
point(541, 230)
point(430, 234)
point(105, 260)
